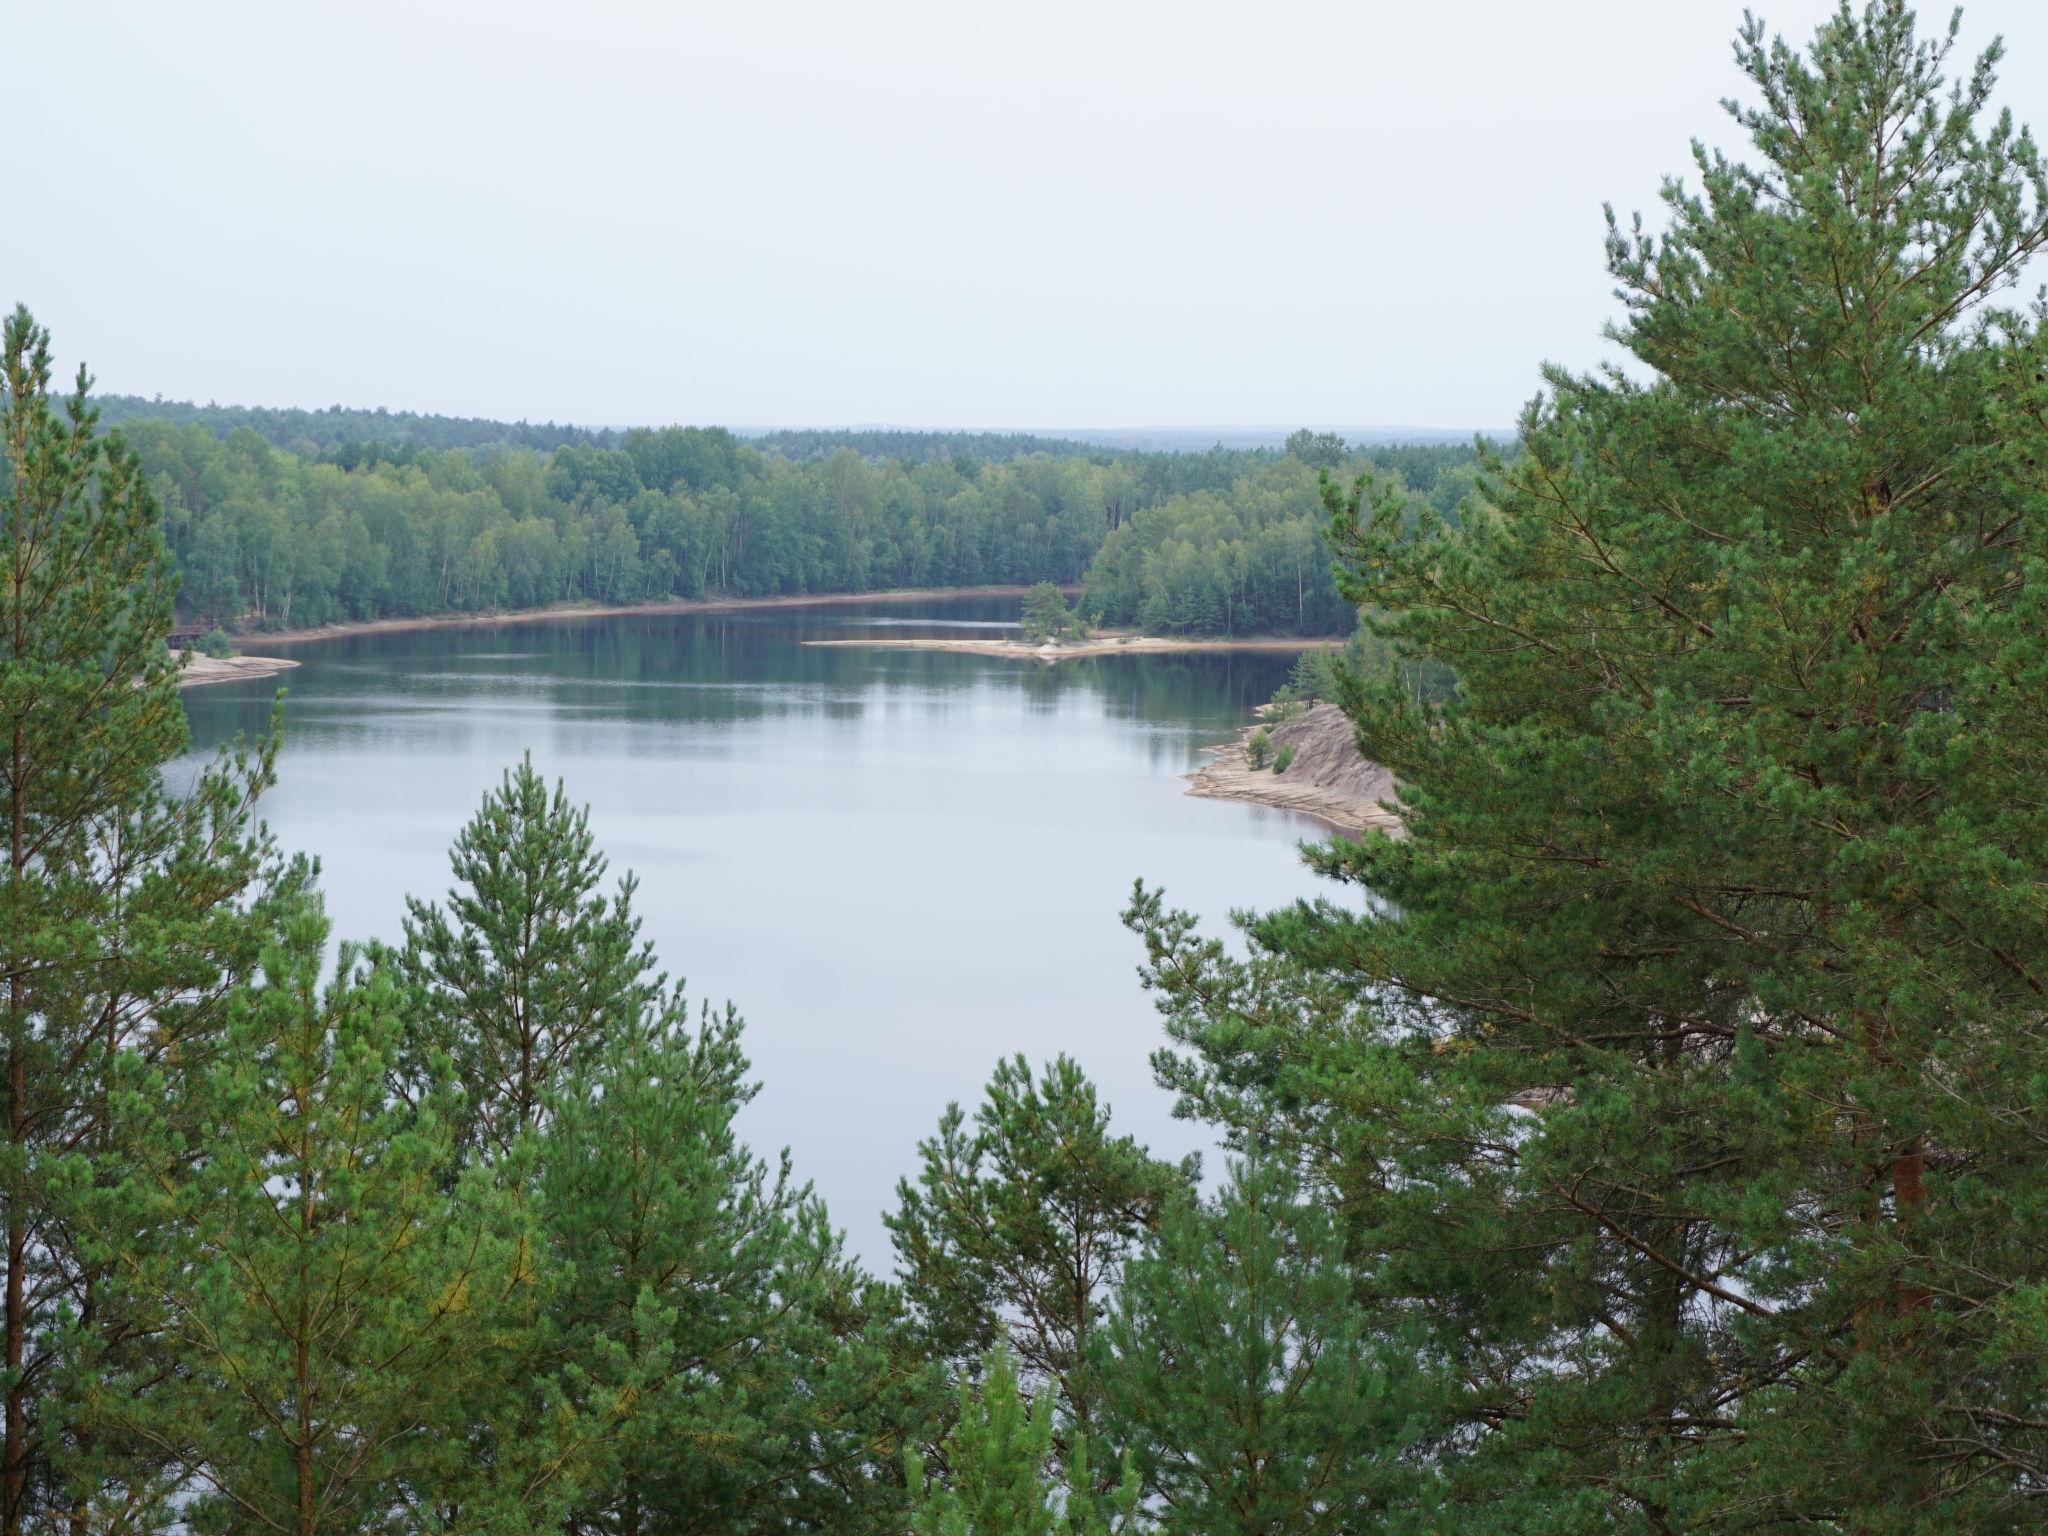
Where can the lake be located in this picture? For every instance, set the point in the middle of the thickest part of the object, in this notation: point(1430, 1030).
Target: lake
point(899, 865)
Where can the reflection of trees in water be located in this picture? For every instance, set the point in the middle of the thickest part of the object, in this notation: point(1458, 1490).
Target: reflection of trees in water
point(1225, 685)
point(717, 668)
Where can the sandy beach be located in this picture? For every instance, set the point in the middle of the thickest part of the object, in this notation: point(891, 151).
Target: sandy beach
point(200, 670)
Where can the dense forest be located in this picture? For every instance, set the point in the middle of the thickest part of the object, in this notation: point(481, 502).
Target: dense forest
point(1648, 1141)
point(269, 538)
point(1249, 558)
point(336, 427)
point(322, 431)
point(917, 447)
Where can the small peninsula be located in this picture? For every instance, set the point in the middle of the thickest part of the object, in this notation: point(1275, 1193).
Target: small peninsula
point(1324, 774)
point(196, 670)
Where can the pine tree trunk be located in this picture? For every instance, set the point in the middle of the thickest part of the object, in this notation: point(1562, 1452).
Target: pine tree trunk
point(302, 1446)
point(16, 1455)
point(14, 1458)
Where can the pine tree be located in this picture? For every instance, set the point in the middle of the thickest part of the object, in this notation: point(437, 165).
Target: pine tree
point(529, 970)
point(321, 1285)
point(995, 1481)
point(1046, 615)
point(123, 908)
point(1017, 1231)
point(1240, 1373)
point(689, 1271)
point(1683, 1063)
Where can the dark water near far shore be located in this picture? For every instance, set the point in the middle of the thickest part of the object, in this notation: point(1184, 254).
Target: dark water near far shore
point(899, 865)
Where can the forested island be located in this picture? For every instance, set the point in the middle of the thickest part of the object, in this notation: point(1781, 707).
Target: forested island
point(1647, 1140)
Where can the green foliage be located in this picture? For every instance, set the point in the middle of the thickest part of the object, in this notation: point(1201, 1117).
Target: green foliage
point(1219, 542)
point(1283, 758)
point(995, 1459)
point(1672, 1075)
point(1243, 1375)
point(1318, 450)
point(215, 643)
point(320, 1285)
point(1046, 615)
point(522, 978)
point(1258, 747)
point(1017, 1230)
point(266, 538)
point(801, 443)
point(1248, 559)
point(722, 1349)
point(1308, 680)
point(1649, 1143)
point(337, 429)
point(125, 913)
point(1368, 656)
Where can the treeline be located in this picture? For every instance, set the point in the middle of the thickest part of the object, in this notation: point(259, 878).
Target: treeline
point(918, 447)
point(268, 538)
point(319, 432)
point(1250, 559)
point(334, 428)
point(323, 431)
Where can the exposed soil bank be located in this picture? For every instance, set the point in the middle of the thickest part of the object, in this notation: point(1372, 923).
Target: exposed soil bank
point(1110, 644)
point(599, 610)
point(1327, 778)
point(198, 670)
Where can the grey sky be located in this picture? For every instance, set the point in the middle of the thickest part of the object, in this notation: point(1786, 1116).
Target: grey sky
point(959, 214)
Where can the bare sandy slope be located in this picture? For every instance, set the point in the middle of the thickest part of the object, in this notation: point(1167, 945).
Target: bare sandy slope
point(599, 610)
point(200, 670)
point(1099, 645)
point(1327, 779)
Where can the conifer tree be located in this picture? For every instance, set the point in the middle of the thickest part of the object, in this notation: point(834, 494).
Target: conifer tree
point(123, 908)
point(530, 969)
point(1685, 1056)
point(322, 1286)
point(1240, 1373)
point(1017, 1231)
point(995, 1481)
point(689, 1271)
point(1046, 615)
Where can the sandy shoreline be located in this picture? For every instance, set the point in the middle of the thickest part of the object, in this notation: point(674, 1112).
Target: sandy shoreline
point(1105, 645)
point(1327, 780)
point(396, 626)
point(197, 670)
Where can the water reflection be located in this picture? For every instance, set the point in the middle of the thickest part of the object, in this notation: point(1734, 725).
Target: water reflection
point(899, 864)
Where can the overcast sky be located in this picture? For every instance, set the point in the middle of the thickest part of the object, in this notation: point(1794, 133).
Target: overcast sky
point(946, 214)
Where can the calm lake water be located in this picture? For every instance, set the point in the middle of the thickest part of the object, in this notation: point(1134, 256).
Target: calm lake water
point(899, 865)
